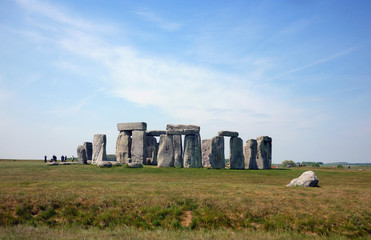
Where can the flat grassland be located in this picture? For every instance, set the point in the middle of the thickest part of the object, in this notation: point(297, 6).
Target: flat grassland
point(88, 202)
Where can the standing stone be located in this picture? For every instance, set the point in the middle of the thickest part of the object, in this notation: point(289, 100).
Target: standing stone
point(236, 157)
point(216, 156)
point(165, 156)
point(151, 149)
point(123, 147)
point(251, 150)
point(81, 155)
point(178, 151)
point(205, 149)
point(192, 151)
point(89, 150)
point(264, 156)
point(137, 149)
point(99, 148)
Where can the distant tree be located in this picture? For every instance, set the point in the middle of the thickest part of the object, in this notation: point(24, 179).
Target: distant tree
point(316, 165)
point(288, 163)
point(340, 166)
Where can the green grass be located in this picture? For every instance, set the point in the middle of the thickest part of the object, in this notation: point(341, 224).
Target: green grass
point(51, 202)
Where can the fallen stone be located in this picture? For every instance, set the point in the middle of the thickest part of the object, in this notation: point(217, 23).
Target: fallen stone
point(155, 133)
point(216, 156)
point(99, 148)
point(52, 164)
point(178, 151)
point(135, 165)
point(165, 156)
point(81, 155)
point(264, 155)
point(68, 163)
point(236, 158)
point(307, 179)
point(123, 147)
point(205, 150)
point(137, 147)
point(192, 151)
point(104, 164)
point(141, 126)
point(228, 134)
point(151, 150)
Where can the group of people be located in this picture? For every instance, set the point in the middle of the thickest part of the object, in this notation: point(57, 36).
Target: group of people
point(54, 158)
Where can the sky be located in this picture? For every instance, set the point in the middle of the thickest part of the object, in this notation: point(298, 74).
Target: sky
point(295, 70)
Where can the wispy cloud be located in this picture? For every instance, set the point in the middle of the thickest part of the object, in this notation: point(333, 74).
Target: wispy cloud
point(158, 21)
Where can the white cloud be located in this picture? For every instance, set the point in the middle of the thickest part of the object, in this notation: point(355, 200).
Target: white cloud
point(158, 21)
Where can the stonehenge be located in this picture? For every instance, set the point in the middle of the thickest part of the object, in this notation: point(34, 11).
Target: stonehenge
point(178, 146)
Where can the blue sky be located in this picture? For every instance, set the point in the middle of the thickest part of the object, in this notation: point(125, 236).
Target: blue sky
point(298, 71)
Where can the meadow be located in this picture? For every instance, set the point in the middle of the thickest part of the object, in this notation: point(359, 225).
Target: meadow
point(83, 201)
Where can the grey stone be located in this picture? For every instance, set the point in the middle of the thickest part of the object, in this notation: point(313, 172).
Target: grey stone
point(104, 164)
point(141, 126)
point(264, 156)
point(151, 150)
point(216, 156)
point(155, 133)
point(178, 151)
point(137, 147)
point(89, 150)
point(236, 158)
point(205, 150)
point(182, 132)
point(52, 164)
point(135, 165)
point(180, 127)
point(99, 148)
point(165, 156)
point(250, 151)
point(192, 151)
point(123, 147)
point(81, 155)
point(228, 134)
point(307, 179)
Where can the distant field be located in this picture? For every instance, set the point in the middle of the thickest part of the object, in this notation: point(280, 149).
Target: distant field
point(76, 202)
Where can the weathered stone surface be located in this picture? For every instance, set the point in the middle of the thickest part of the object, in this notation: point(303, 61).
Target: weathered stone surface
point(135, 165)
point(264, 156)
point(81, 155)
point(89, 150)
point(205, 150)
point(52, 164)
point(182, 132)
point(165, 156)
point(155, 133)
point(104, 164)
point(182, 129)
point(216, 156)
point(151, 150)
point(192, 151)
point(123, 147)
point(236, 157)
point(250, 151)
point(137, 147)
point(99, 148)
point(141, 126)
point(307, 179)
point(228, 134)
point(178, 151)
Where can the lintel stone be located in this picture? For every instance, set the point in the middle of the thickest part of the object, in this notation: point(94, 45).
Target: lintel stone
point(155, 133)
point(181, 127)
point(142, 126)
point(182, 132)
point(228, 134)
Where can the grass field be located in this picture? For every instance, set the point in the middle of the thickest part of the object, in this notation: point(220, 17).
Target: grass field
point(77, 202)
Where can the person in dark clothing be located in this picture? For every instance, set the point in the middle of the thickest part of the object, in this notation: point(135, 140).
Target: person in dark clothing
point(65, 158)
point(55, 158)
point(62, 158)
point(45, 158)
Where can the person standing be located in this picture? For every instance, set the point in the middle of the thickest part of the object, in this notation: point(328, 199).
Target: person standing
point(45, 158)
point(73, 158)
point(65, 158)
point(62, 158)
